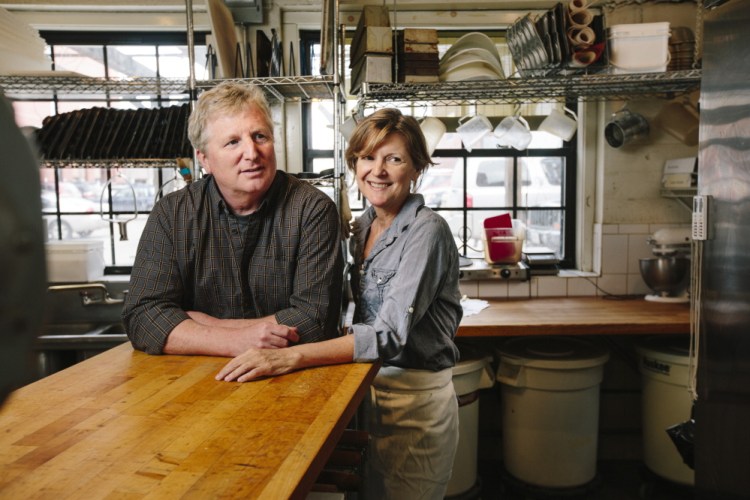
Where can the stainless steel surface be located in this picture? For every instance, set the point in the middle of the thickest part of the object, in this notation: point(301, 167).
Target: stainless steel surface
point(481, 270)
point(667, 276)
point(723, 405)
point(82, 320)
point(81, 336)
point(91, 293)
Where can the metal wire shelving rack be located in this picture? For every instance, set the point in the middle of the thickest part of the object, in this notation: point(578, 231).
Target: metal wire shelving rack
point(537, 89)
point(298, 88)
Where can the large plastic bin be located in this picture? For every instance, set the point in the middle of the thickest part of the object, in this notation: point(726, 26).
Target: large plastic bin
point(550, 409)
point(664, 365)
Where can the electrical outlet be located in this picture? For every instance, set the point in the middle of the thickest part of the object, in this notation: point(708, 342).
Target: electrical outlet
point(700, 218)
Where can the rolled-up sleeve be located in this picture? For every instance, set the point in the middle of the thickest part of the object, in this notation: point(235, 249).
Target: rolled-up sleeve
point(315, 303)
point(153, 304)
point(419, 304)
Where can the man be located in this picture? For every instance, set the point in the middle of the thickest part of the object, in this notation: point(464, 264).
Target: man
point(245, 257)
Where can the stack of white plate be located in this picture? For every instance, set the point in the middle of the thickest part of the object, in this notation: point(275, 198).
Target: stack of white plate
point(474, 56)
point(21, 46)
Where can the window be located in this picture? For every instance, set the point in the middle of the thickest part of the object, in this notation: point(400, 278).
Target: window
point(97, 202)
point(536, 186)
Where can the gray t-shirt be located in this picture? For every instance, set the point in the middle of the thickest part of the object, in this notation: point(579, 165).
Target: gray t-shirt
point(408, 304)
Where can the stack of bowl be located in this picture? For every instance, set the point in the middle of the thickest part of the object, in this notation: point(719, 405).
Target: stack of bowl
point(681, 49)
point(474, 56)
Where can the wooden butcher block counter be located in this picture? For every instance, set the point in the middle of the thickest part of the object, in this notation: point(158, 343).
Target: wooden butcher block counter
point(124, 424)
point(576, 316)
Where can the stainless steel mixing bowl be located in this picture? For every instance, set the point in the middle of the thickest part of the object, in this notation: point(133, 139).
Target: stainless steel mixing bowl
point(667, 276)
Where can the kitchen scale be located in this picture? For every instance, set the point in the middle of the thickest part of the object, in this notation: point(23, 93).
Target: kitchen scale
point(542, 263)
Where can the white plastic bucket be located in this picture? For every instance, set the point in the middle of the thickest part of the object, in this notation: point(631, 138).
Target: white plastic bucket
point(639, 48)
point(663, 362)
point(469, 375)
point(550, 409)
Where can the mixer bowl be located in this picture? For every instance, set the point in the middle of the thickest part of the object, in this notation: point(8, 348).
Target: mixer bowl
point(667, 276)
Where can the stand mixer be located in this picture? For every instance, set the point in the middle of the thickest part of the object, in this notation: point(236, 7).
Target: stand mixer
point(668, 273)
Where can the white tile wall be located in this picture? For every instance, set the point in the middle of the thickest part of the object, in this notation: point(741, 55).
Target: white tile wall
point(618, 248)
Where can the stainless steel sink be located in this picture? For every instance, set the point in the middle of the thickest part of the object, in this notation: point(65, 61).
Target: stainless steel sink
point(82, 320)
point(60, 345)
point(85, 335)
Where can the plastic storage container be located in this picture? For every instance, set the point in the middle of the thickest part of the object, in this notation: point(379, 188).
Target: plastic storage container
point(469, 375)
point(504, 245)
point(663, 362)
point(550, 409)
point(639, 48)
point(75, 260)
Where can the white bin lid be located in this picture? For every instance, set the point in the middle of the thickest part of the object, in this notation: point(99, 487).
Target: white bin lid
point(74, 246)
point(475, 366)
point(673, 349)
point(553, 352)
point(639, 29)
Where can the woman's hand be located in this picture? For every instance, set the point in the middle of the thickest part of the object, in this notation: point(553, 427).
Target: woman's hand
point(256, 363)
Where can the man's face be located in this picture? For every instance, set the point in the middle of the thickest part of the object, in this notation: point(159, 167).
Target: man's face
point(239, 153)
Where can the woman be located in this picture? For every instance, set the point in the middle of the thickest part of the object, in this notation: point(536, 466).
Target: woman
point(405, 284)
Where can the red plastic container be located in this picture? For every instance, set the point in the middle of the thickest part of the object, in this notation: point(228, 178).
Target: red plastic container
point(502, 245)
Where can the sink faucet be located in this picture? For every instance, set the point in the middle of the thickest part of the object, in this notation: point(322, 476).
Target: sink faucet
point(91, 293)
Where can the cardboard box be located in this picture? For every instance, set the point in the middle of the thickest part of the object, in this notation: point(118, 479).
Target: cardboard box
point(372, 68)
point(407, 78)
point(420, 35)
point(680, 173)
point(79, 261)
point(373, 15)
point(371, 40)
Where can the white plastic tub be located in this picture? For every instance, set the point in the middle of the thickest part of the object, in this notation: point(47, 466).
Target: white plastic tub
point(550, 400)
point(663, 362)
point(470, 374)
point(639, 48)
point(75, 260)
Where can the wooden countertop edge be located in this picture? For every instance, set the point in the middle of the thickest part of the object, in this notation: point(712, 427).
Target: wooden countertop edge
point(316, 466)
point(593, 329)
point(576, 316)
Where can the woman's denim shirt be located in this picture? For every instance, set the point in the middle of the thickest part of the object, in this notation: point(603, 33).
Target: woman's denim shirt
point(408, 303)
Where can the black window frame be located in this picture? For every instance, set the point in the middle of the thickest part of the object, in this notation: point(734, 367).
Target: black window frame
point(568, 152)
point(103, 39)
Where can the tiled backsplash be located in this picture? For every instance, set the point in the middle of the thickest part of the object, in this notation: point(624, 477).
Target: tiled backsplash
point(617, 250)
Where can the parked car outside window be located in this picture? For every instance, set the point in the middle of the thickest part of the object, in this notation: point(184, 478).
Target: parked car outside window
point(129, 197)
point(79, 217)
point(489, 191)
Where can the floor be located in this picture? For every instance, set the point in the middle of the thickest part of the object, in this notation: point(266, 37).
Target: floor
point(615, 480)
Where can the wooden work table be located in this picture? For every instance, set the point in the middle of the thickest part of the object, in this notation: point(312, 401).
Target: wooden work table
point(126, 424)
point(576, 316)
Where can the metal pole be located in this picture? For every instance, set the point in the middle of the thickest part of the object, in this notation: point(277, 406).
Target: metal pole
point(191, 78)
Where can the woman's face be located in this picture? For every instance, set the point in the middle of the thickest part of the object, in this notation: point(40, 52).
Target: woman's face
point(384, 176)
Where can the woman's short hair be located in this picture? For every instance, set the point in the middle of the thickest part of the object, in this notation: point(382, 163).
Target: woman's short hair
point(373, 130)
point(229, 97)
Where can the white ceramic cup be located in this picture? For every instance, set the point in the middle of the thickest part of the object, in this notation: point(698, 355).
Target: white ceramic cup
point(433, 130)
point(513, 131)
point(560, 124)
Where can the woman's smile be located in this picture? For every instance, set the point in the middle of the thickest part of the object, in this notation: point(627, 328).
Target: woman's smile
point(385, 175)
